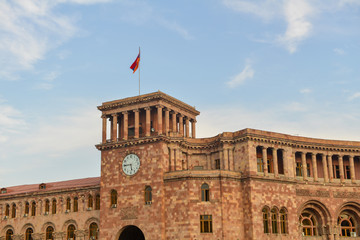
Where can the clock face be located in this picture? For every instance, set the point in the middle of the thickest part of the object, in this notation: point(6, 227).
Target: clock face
point(131, 164)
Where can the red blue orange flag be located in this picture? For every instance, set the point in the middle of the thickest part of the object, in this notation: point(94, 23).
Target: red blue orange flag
point(136, 63)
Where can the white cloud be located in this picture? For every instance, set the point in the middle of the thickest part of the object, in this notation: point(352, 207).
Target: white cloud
point(305, 90)
point(175, 27)
point(247, 73)
point(339, 51)
point(29, 29)
point(350, 2)
point(354, 96)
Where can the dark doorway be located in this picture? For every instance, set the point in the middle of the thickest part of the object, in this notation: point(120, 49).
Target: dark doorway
point(131, 233)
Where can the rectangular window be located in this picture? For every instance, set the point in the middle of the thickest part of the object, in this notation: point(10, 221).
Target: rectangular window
point(206, 223)
point(217, 163)
point(347, 172)
point(298, 169)
point(308, 169)
point(260, 165)
point(336, 171)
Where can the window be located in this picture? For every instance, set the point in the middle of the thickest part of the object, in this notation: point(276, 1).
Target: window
point(47, 206)
point(7, 210)
point(298, 169)
point(68, 205)
point(97, 202)
point(265, 213)
point(217, 163)
point(28, 234)
point(308, 223)
point(283, 222)
point(76, 204)
point(49, 233)
point(308, 172)
point(93, 231)
point(33, 209)
point(205, 192)
point(274, 223)
point(113, 202)
point(270, 160)
point(347, 172)
point(27, 208)
point(13, 211)
point(71, 232)
point(148, 195)
point(53, 210)
point(206, 223)
point(260, 165)
point(42, 186)
point(347, 225)
point(336, 169)
point(3, 190)
point(9, 234)
point(90, 202)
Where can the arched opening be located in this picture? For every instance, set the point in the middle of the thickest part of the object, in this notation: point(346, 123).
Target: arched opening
point(131, 233)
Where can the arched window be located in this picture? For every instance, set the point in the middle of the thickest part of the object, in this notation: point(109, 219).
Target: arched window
point(9, 234)
point(49, 233)
point(347, 225)
point(28, 234)
point(27, 209)
point(33, 208)
point(90, 202)
point(148, 195)
point(76, 205)
point(265, 213)
point(113, 198)
point(97, 202)
point(274, 221)
point(93, 231)
point(53, 209)
point(71, 232)
point(308, 223)
point(68, 204)
point(13, 211)
point(47, 206)
point(283, 222)
point(7, 210)
point(205, 192)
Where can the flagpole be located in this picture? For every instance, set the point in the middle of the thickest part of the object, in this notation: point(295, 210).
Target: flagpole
point(139, 71)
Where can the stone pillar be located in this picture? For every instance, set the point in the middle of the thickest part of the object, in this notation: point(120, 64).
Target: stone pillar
point(177, 158)
point(111, 128)
point(193, 128)
point(264, 156)
point(170, 159)
point(181, 125)
point(231, 159)
point(352, 169)
point(159, 120)
point(331, 173)
point(314, 166)
point(187, 130)
point(136, 112)
point(323, 159)
point(304, 167)
point(126, 122)
point(147, 124)
point(104, 123)
point(208, 161)
point(226, 158)
point(341, 166)
point(174, 121)
point(275, 158)
point(167, 121)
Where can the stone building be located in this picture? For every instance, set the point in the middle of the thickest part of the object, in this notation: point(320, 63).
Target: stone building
point(158, 181)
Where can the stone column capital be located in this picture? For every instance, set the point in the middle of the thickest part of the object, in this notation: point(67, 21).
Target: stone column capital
point(166, 109)
point(136, 110)
point(159, 106)
point(147, 108)
point(125, 112)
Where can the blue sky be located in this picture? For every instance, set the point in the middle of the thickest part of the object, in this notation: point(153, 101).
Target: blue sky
point(289, 66)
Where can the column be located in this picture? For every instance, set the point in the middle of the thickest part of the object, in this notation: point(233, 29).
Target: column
point(111, 128)
point(221, 158)
point(331, 175)
point(170, 159)
point(104, 122)
point(341, 166)
point(314, 166)
point(275, 159)
point(181, 125)
point(147, 124)
point(159, 122)
point(303, 163)
point(187, 130)
point(136, 112)
point(167, 121)
point(114, 128)
point(174, 121)
point(231, 159)
point(126, 122)
point(193, 122)
point(323, 159)
point(264, 156)
point(226, 159)
point(352, 169)
point(119, 126)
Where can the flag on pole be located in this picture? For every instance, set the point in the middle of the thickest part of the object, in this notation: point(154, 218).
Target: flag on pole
point(136, 63)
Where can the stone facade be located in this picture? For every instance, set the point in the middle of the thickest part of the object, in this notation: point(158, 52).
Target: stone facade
point(242, 185)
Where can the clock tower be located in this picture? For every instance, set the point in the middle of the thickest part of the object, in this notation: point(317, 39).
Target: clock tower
point(139, 140)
